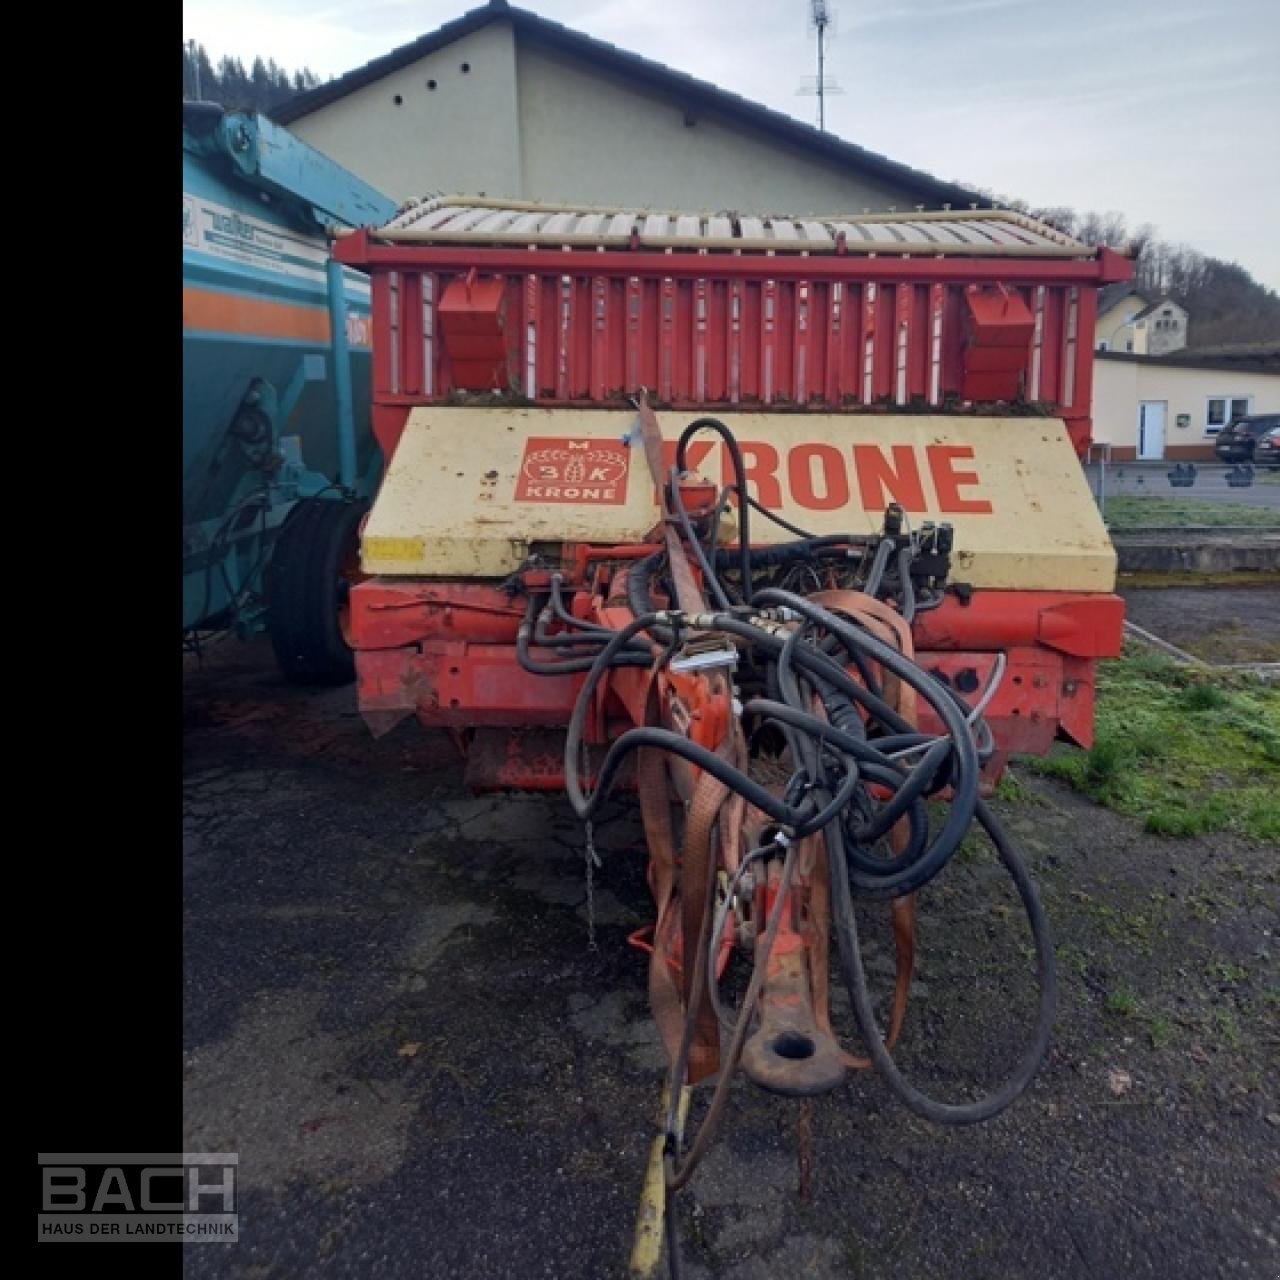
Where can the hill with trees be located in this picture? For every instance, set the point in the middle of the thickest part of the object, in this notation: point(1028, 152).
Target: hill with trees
point(263, 87)
point(1224, 303)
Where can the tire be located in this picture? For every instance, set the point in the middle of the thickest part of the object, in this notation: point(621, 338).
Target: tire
point(308, 577)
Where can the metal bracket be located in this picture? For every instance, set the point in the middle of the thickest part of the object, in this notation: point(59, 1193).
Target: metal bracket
point(705, 654)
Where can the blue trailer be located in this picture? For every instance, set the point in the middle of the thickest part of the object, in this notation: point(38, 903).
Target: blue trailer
point(278, 457)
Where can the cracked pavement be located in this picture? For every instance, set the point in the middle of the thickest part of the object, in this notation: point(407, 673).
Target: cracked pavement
point(393, 1015)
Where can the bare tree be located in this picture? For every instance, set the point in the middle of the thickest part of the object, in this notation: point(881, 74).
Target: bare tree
point(1225, 304)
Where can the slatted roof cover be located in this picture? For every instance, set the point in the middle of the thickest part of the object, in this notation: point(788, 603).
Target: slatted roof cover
point(973, 233)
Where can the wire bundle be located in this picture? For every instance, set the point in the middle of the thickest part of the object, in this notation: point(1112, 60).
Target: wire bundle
point(812, 688)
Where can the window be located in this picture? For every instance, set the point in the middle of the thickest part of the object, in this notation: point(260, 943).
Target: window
point(1224, 409)
point(1128, 346)
point(1102, 346)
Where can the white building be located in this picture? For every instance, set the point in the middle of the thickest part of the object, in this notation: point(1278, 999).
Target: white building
point(1156, 407)
point(1137, 323)
point(501, 102)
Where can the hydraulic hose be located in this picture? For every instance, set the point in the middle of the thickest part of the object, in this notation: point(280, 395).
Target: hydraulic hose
point(856, 979)
point(686, 524)
point(739, 483)
point(568, 666)
point(860, 772)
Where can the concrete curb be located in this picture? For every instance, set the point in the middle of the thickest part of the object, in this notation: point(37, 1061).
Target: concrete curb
point(1165, 550)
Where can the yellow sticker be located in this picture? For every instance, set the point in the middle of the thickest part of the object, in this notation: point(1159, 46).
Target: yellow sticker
point(398, 549)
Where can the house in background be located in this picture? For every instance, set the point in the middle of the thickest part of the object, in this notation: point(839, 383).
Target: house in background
point(1151, 408)
point(1139, 324)
point(501, 102)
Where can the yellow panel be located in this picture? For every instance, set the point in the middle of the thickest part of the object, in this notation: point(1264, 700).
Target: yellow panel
point(471, 490)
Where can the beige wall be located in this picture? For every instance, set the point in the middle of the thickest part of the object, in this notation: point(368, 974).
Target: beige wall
point(1115, 327)
point(1120, 386)
point(590, 137)
point(460, 136)
point(540, 125)
point(1111, 324)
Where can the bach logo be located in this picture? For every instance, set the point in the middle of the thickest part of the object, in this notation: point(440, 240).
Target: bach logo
point(189, 1197)
point(567, 470)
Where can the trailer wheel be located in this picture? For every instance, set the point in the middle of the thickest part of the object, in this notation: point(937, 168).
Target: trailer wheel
point(313, 565)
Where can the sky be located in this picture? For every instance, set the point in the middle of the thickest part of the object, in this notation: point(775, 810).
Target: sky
point(1164, 110)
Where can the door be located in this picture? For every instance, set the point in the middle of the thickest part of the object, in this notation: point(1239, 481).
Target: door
point(1151, 429)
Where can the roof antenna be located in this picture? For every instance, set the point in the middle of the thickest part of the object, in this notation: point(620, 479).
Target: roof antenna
point(822, 17)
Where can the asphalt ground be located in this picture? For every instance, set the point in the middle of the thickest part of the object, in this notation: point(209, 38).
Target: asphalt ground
point(1221, 624)
point(392, 1013)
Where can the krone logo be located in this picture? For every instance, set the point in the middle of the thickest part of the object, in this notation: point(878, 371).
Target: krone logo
point(560, 470)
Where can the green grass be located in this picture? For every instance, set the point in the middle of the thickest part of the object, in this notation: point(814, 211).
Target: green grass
point(1227, 578)
point(1230, 974)
point(1131, 512)
point(1204, 697)
point(1186, 750)
point(1011, 790)
point(1123, 1003)
point(1229, 1028)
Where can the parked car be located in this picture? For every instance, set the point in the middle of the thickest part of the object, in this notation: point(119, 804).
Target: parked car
point(1235, 442)
point(1266, 452)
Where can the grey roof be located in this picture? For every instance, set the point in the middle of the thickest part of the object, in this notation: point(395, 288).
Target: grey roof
point(494, 221)
point(1240, 357)
point(1157, 304)
point(1113, 293)
point(684, 89)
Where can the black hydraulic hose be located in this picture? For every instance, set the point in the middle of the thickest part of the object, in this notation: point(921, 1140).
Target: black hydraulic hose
point(794, 741)
point(568, 666)
point(778, 520)
point(907, 791)
point(901, 741)
point(805, 751)
point(921, 782)
point(563, 614)
point(818, 664)
point(739, 482)
point(708, 573)
point(803, 821)
point(563, 639)
point(783, 553)
point(876, 769)
point(938, 695)
point(908, 592)
point(878, 567)
point(581, 641)
point(798, 670)
point(872, 876)
point(859, 660)
point(965, 768)
point(856, 979)
point(843, 739)
point(639, 601)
